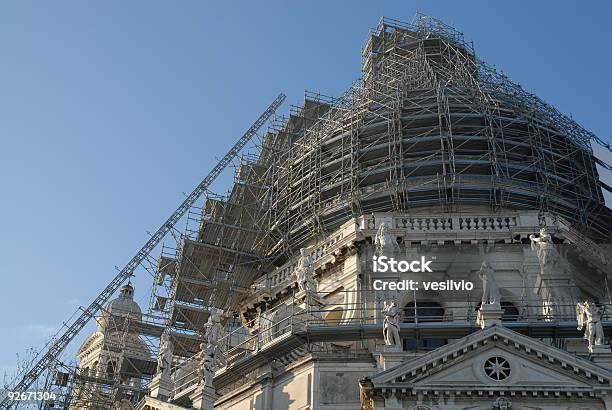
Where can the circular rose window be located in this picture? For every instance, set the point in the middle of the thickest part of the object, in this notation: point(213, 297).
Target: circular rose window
point(497, 368)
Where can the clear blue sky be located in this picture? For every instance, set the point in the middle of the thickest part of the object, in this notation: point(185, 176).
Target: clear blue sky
point(110, 110)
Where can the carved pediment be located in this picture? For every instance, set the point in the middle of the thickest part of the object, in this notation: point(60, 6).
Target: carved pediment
point(92, 342)
point(520, 373)
point(495, 359)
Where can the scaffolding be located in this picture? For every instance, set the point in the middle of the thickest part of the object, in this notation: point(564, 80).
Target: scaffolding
point(118, 362)
point(216, 258)
point(431, 125)
point(428, 127)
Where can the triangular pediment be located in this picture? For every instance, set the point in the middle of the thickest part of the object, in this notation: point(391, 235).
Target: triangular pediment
point(522, 373)
point(496, 358)
point(93, 341)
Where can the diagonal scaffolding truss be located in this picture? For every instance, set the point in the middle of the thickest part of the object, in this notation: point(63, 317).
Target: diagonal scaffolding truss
point(50, 358)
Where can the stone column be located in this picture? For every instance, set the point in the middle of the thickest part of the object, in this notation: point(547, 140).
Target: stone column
point(267, 394)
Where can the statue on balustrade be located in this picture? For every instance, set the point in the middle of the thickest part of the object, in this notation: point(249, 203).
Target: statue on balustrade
point(544, 247)
point(164, 357)
point(589, 317)
point(205, 366)
point(384, 242)
point(303, 274)
point(490, 290)
point(391, 324)
point(213, 329)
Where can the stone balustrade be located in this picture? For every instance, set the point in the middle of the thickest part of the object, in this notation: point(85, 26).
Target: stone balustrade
point(507, 226)
point(448, 223)
point(283, 274)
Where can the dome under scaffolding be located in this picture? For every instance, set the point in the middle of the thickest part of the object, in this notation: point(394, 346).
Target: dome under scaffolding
point(431, 154)
point(428, 125)
point(123, 306)
point(427, 128)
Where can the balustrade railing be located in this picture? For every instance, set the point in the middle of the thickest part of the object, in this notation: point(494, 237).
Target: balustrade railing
point(248, 341)
point(283, 274)
point(438, 223)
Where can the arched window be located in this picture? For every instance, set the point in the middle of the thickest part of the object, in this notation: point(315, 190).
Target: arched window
point(423, 312)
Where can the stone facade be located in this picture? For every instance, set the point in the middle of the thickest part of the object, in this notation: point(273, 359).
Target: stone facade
point(326, 350)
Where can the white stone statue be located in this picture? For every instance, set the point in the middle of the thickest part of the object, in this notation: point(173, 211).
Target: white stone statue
point(589, 315)
point(490, 290)
point(303, 273)
point(391, 324)
point(205, 366)
point(164, 357)
point(383, 241)
point(213, 329)
point(544, 247)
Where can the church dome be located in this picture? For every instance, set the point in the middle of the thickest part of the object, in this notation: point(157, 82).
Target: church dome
point(123, 306)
